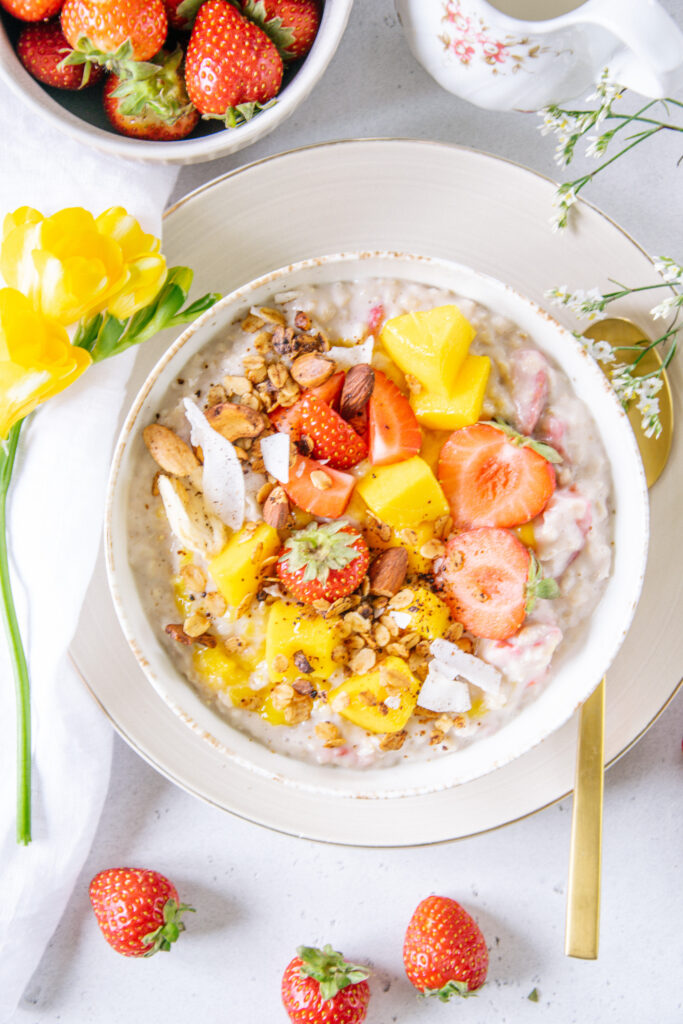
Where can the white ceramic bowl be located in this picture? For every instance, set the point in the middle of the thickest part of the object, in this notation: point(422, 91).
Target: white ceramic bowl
point(80, 114)
point(577, 675)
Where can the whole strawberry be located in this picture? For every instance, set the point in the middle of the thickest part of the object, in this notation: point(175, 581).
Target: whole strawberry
point(137, 910)
point(444, 951)
point(319, 987)
point(181, 13)
point(156, 107)
point(323, 561)
point(41, 48)
point(291, 24)
point(232, 68)
point(31, 10)
point(111, 31)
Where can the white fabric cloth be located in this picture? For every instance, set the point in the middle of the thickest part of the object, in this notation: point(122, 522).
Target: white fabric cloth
point(55, 522)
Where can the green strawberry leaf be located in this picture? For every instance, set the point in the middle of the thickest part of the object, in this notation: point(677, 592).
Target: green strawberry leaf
point(162, 94)
point(450, 989)
point(329, 969)
point(539, 587)
point(547, 451)
point(188, 9)
point(275, 29)
point(167, 933)
point(119, 63)
point(318, 549)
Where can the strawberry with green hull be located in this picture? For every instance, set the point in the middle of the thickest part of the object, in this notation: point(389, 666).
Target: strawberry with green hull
point(291, 24)
point(137, 910)
point(42, 47)
point(232, 69)
point(32, 10)
point(156, 107)
point(444, 952)
point(320, 987)
point(334, 440)
point(121, 35)
point(324, 561)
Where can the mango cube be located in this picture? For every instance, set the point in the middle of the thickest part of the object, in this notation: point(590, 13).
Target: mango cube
point(364, 697)
point(218, 670)
point(403, 494)
point(292, 629)
point(237, 570)
point(431, 345)
point(463, 406)
point(429, 616)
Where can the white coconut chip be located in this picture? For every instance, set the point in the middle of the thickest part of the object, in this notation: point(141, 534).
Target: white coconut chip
point(402, 619)
point(351, 355)
point(441, 693)
point(195, 527)
point(456, 664)
point(275, 454)
point(222, 476)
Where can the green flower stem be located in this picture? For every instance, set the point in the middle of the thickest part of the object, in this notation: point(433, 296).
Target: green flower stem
point(581, 182)
point(16, 649)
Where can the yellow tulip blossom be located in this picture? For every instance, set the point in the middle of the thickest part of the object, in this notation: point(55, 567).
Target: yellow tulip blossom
point(37, 360)
point(73, 265)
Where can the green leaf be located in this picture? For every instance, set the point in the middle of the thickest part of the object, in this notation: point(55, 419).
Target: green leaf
point(539, 586)
point(188, 9)
point(533, 995)
point(450, 989)
point(167, 933)
point(521, 440)
point(329, 969)
point(276, 30)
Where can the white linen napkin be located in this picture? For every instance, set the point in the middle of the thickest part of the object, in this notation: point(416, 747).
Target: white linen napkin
point(55, 523)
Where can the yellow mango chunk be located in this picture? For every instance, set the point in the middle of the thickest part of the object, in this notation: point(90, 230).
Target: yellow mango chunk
point(463, 406)
point(237, 570)
point(429, 616)
point(404, 493)
point(218, 670)
point(292, 629)
point(367, 694)
point(431, 345)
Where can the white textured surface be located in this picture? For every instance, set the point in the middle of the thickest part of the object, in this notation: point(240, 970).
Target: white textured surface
point(259, 894)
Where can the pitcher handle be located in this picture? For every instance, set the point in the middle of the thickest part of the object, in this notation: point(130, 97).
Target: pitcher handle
point(652, 40)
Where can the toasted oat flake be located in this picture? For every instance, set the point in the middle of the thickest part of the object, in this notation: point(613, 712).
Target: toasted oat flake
point(329, 733)
point(280, 663)
point(193, 577)
point(402, 600)
point(393, 740)
point(340, 701)
point(320, 480)
point(196, 624)
point(236, 385)
point(363, 661)
point(252, 323)
point(214, 604)
point(272, 316)
point(433, 549)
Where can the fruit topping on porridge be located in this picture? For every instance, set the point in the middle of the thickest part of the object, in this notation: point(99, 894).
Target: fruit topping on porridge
point(360, 544)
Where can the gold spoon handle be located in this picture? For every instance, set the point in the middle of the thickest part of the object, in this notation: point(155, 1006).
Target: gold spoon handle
point(585, 854)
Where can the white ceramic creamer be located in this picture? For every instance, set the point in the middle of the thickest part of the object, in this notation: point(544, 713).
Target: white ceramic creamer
point(526, 54)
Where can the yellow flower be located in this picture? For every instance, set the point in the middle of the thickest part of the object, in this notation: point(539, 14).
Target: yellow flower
point(73, 265)
point(37, 360)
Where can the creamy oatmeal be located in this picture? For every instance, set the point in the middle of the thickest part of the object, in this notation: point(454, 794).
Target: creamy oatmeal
point(367, 536)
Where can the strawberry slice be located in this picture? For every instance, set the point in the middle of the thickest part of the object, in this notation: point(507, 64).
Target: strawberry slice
point(483, 580)
point(492, 479)
point(288, 420)
point(394, 431)
point(333, 438)
point(318, 489)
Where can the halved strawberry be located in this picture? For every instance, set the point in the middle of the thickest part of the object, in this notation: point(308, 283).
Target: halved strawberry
point(492, 479)
point(318, 489)
point(334, 440)
point(483, 580)
point(394, 431)
point(288, 420)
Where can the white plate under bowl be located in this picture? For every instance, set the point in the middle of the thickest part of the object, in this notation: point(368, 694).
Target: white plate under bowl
point(577, 674)
point(440, 200)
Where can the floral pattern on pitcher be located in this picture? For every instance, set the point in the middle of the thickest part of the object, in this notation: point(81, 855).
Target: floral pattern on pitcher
point(470, 38)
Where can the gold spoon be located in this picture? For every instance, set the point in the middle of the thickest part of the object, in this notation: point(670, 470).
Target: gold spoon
point(585, 853)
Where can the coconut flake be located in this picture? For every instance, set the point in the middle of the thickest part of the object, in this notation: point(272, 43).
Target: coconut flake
point(351, 355)
point(222, 476)
point(402, 619)
point(455, 663)
point(275, 454)
point(440, 693)
point(393, 702)
point(189, 520)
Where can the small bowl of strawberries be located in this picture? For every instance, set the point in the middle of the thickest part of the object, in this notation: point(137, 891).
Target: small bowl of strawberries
point(203, 77)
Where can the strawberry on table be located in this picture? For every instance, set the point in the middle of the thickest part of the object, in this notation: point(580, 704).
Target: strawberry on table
point(291, 24)
point(492, 476)
point(318, 489)
point(319, 987)
point(137, 910)
point(394, 433)
point(334, 440)
point(323, 561)
point(444, 952)
point(32, 10)
point(156, 107)
point(232, 68)
point(114, 32)
point(42, 47)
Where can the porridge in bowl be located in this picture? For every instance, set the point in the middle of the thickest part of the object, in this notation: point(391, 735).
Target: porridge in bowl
point(370, 521)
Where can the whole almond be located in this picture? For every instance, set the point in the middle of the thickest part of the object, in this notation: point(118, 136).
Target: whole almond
point(359, 384)
point(388, 572)
point(234, 421)
point(169, 451)
point(276, 509)
point(309, 370)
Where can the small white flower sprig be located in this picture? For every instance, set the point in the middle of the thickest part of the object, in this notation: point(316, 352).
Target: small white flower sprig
point(628, 384)
point(570, 126)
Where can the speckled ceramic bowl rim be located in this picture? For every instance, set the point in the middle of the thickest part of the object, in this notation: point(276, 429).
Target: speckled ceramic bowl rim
point(185, 151)
point(605, 630)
